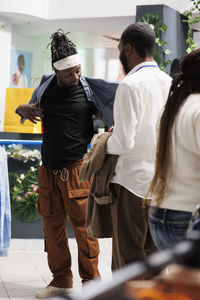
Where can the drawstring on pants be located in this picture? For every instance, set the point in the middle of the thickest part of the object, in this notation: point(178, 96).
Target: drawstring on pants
point(64, 174)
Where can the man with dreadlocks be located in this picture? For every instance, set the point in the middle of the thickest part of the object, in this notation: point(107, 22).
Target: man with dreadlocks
point(65, 101)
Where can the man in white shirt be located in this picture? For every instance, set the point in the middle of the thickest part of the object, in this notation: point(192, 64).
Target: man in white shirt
point(139, 100)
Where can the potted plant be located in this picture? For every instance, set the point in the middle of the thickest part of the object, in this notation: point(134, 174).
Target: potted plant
point(24, 195)
point(23, 164)
point(101, 128)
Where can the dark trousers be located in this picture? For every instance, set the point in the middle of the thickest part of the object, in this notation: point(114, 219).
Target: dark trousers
point(61, 194)
point(131, 236)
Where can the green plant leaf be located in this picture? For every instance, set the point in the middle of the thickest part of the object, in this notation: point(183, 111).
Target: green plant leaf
point(160, 52)
point(23, 194)
point(191, 21)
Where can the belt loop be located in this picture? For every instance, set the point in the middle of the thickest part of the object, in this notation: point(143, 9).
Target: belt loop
point(164, 214)
point(55, 172)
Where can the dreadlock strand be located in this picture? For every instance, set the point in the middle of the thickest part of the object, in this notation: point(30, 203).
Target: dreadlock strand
point(61, 46)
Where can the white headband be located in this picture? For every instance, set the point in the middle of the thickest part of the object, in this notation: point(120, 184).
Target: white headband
point(67, 62)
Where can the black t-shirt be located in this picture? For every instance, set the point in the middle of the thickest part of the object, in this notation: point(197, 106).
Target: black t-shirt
point(67, 125)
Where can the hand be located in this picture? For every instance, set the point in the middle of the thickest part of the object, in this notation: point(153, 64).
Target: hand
point(111, 129)
point(15, 79)
point(31, 112)
point(98, 114)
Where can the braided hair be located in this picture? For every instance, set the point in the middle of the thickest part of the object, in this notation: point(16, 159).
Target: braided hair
point(184, 83)
point(61, 46)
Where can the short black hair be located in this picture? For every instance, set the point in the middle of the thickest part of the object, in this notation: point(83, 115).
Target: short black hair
point(20, 58)
point(141, 36)
point(61, 46)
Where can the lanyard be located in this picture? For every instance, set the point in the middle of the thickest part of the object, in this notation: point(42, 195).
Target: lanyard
point(147, 66)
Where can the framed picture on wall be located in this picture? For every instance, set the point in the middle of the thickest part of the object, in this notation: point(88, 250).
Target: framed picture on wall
point(21, 69)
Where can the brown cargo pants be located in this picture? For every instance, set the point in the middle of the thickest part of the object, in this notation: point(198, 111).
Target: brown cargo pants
point(61, 195)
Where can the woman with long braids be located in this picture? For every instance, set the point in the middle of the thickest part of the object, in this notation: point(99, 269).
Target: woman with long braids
point(176, 184)
point(66, 101)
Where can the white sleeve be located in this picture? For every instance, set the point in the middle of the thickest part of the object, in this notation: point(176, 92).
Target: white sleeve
point(197, 130)
point(126, 110)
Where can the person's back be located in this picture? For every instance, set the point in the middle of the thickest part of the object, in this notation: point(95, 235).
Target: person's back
point(175, 185)
point(183, 188)
point(140, 97)
point(151, 85)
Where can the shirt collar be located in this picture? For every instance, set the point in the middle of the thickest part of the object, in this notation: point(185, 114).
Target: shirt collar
point(143, 64)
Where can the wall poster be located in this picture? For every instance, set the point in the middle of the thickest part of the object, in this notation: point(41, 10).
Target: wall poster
point(21, 69)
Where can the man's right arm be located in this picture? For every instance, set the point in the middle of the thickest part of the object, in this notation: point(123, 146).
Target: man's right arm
point(30, 111)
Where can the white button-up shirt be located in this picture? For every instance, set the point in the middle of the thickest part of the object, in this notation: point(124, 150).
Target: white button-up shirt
point(139, 100)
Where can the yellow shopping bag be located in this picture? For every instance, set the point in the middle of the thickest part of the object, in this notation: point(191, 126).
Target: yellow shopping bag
point(15, 97)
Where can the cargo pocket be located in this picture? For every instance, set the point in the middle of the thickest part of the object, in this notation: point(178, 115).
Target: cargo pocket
point(45, 202)
point(77, 189)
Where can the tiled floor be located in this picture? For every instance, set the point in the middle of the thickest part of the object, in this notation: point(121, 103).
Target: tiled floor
point(25, 269)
